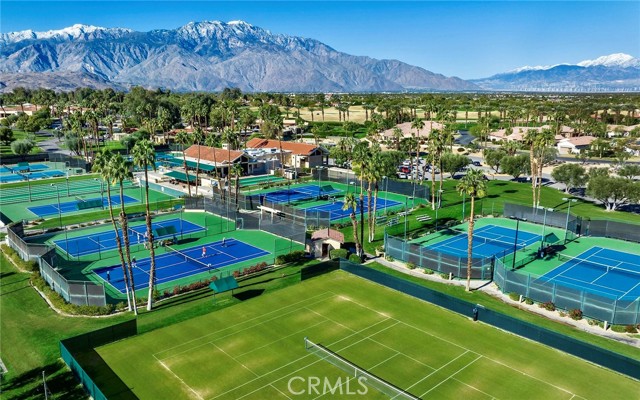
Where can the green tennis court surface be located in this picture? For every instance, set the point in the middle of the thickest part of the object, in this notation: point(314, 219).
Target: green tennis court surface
point(256, 350)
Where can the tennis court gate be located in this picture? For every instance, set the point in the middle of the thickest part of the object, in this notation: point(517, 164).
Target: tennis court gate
point(81, 293)
point(407, 188)
point(602, 308)
point(400, 249)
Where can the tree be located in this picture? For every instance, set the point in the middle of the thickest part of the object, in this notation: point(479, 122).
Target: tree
point(198, 139)
point(453, 163)
point(101, 166)
point(572, 175)
point(237, 171)
point(144, 156)
point(183, 139)
point(351, 203)
point(613, 192)
point(493, 158)
point(510, 147)
point(629, 171)
point(119, 171)
point(22, 147)
point(472, 185)
point(6, 135)
point(515, 165)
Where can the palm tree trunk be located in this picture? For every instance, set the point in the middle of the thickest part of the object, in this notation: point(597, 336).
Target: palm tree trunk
point(370, 216)
point(372, 225)
point(433, 185)
point(119, 246)
point(470, 243)
point(354, 223)
point(197, 170)
point(152, 251)
point(125, 236)
point(186, 171)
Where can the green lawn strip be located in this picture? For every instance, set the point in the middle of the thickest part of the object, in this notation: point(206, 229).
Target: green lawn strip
point(159, 202)
point(257, 344)
point(490, 302)
point(30, 335)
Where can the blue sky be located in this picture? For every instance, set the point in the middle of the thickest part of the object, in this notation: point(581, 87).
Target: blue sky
point(467, 39)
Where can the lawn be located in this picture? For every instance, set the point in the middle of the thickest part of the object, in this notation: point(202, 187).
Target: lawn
point(255, 348)
point(30, 334)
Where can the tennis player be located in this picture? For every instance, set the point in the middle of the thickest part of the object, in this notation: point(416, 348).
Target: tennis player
point(204, 251)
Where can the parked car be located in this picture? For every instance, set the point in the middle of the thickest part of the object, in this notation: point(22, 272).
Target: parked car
point(477, 163)
point(402, 175)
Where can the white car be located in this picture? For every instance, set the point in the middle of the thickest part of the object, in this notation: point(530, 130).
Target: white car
point(402, 175)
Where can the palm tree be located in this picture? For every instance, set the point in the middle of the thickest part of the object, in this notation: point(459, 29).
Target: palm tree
point(144, 155)
point(183, 139)
point(237, 171)
point(544, 141)
point(436, 147)
point(213, 141)
point(101, 166)
point(119, 171)
point(198, 139)
point(418, 125)
point(472, 185)
point(351, 203)
point(374, 175)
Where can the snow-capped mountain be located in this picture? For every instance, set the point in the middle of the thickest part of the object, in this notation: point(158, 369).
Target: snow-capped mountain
point(612, 73)
point(207, 56)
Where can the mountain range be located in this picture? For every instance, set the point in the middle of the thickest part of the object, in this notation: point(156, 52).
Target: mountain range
point(612, 73)
point(201, 56)
point(213, 55)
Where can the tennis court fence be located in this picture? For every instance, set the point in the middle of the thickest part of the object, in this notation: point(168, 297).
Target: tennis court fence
point(602, 308)
point(85, 363)
point(26, 251)
point(444, 263)
point(406, 187)
point(82, 293)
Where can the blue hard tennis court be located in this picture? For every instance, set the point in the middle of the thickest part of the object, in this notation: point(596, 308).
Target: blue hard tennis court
point(299, 193)
point(600, 271)
point(335, 208)
point(488, 241)
point(176, 265)
point(72, 206)
point(105, 241)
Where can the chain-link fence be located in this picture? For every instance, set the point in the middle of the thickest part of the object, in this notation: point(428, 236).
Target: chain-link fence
point(569, 222)
point(82, 293)
point(564, 297)
point(411, 188)
point(421, 256)
point(611, 229)
point(78, 353)
point(26, 251)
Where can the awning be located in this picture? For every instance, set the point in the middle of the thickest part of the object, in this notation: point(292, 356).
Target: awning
point(181, 176)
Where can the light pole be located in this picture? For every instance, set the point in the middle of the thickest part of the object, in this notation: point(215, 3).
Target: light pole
point(101, 191)
point(68, 194)
point(59, 210)
point(544, 224)
point(29, 184)
point(386, 182)
point(406, 201)
point(515, 241)
point(566, 225)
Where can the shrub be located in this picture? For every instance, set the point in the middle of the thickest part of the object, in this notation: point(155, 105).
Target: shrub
point(514, 296)
point(293, 257)
point(444, 276)
point(575, 314)
point(428, 271)
point(30, 266)
point(389, 258)
point(354, 258)
point(528, 301)
point(548, 305)
point(562, 314)
point(411, 265)
point(339, 253)
point(630, 329)
point(58, 302)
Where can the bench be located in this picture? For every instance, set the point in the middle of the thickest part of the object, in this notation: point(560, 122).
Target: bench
point(403, 213)
point(423, 218)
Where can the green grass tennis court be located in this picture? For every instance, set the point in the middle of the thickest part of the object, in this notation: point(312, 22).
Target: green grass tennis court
point(256, 350)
